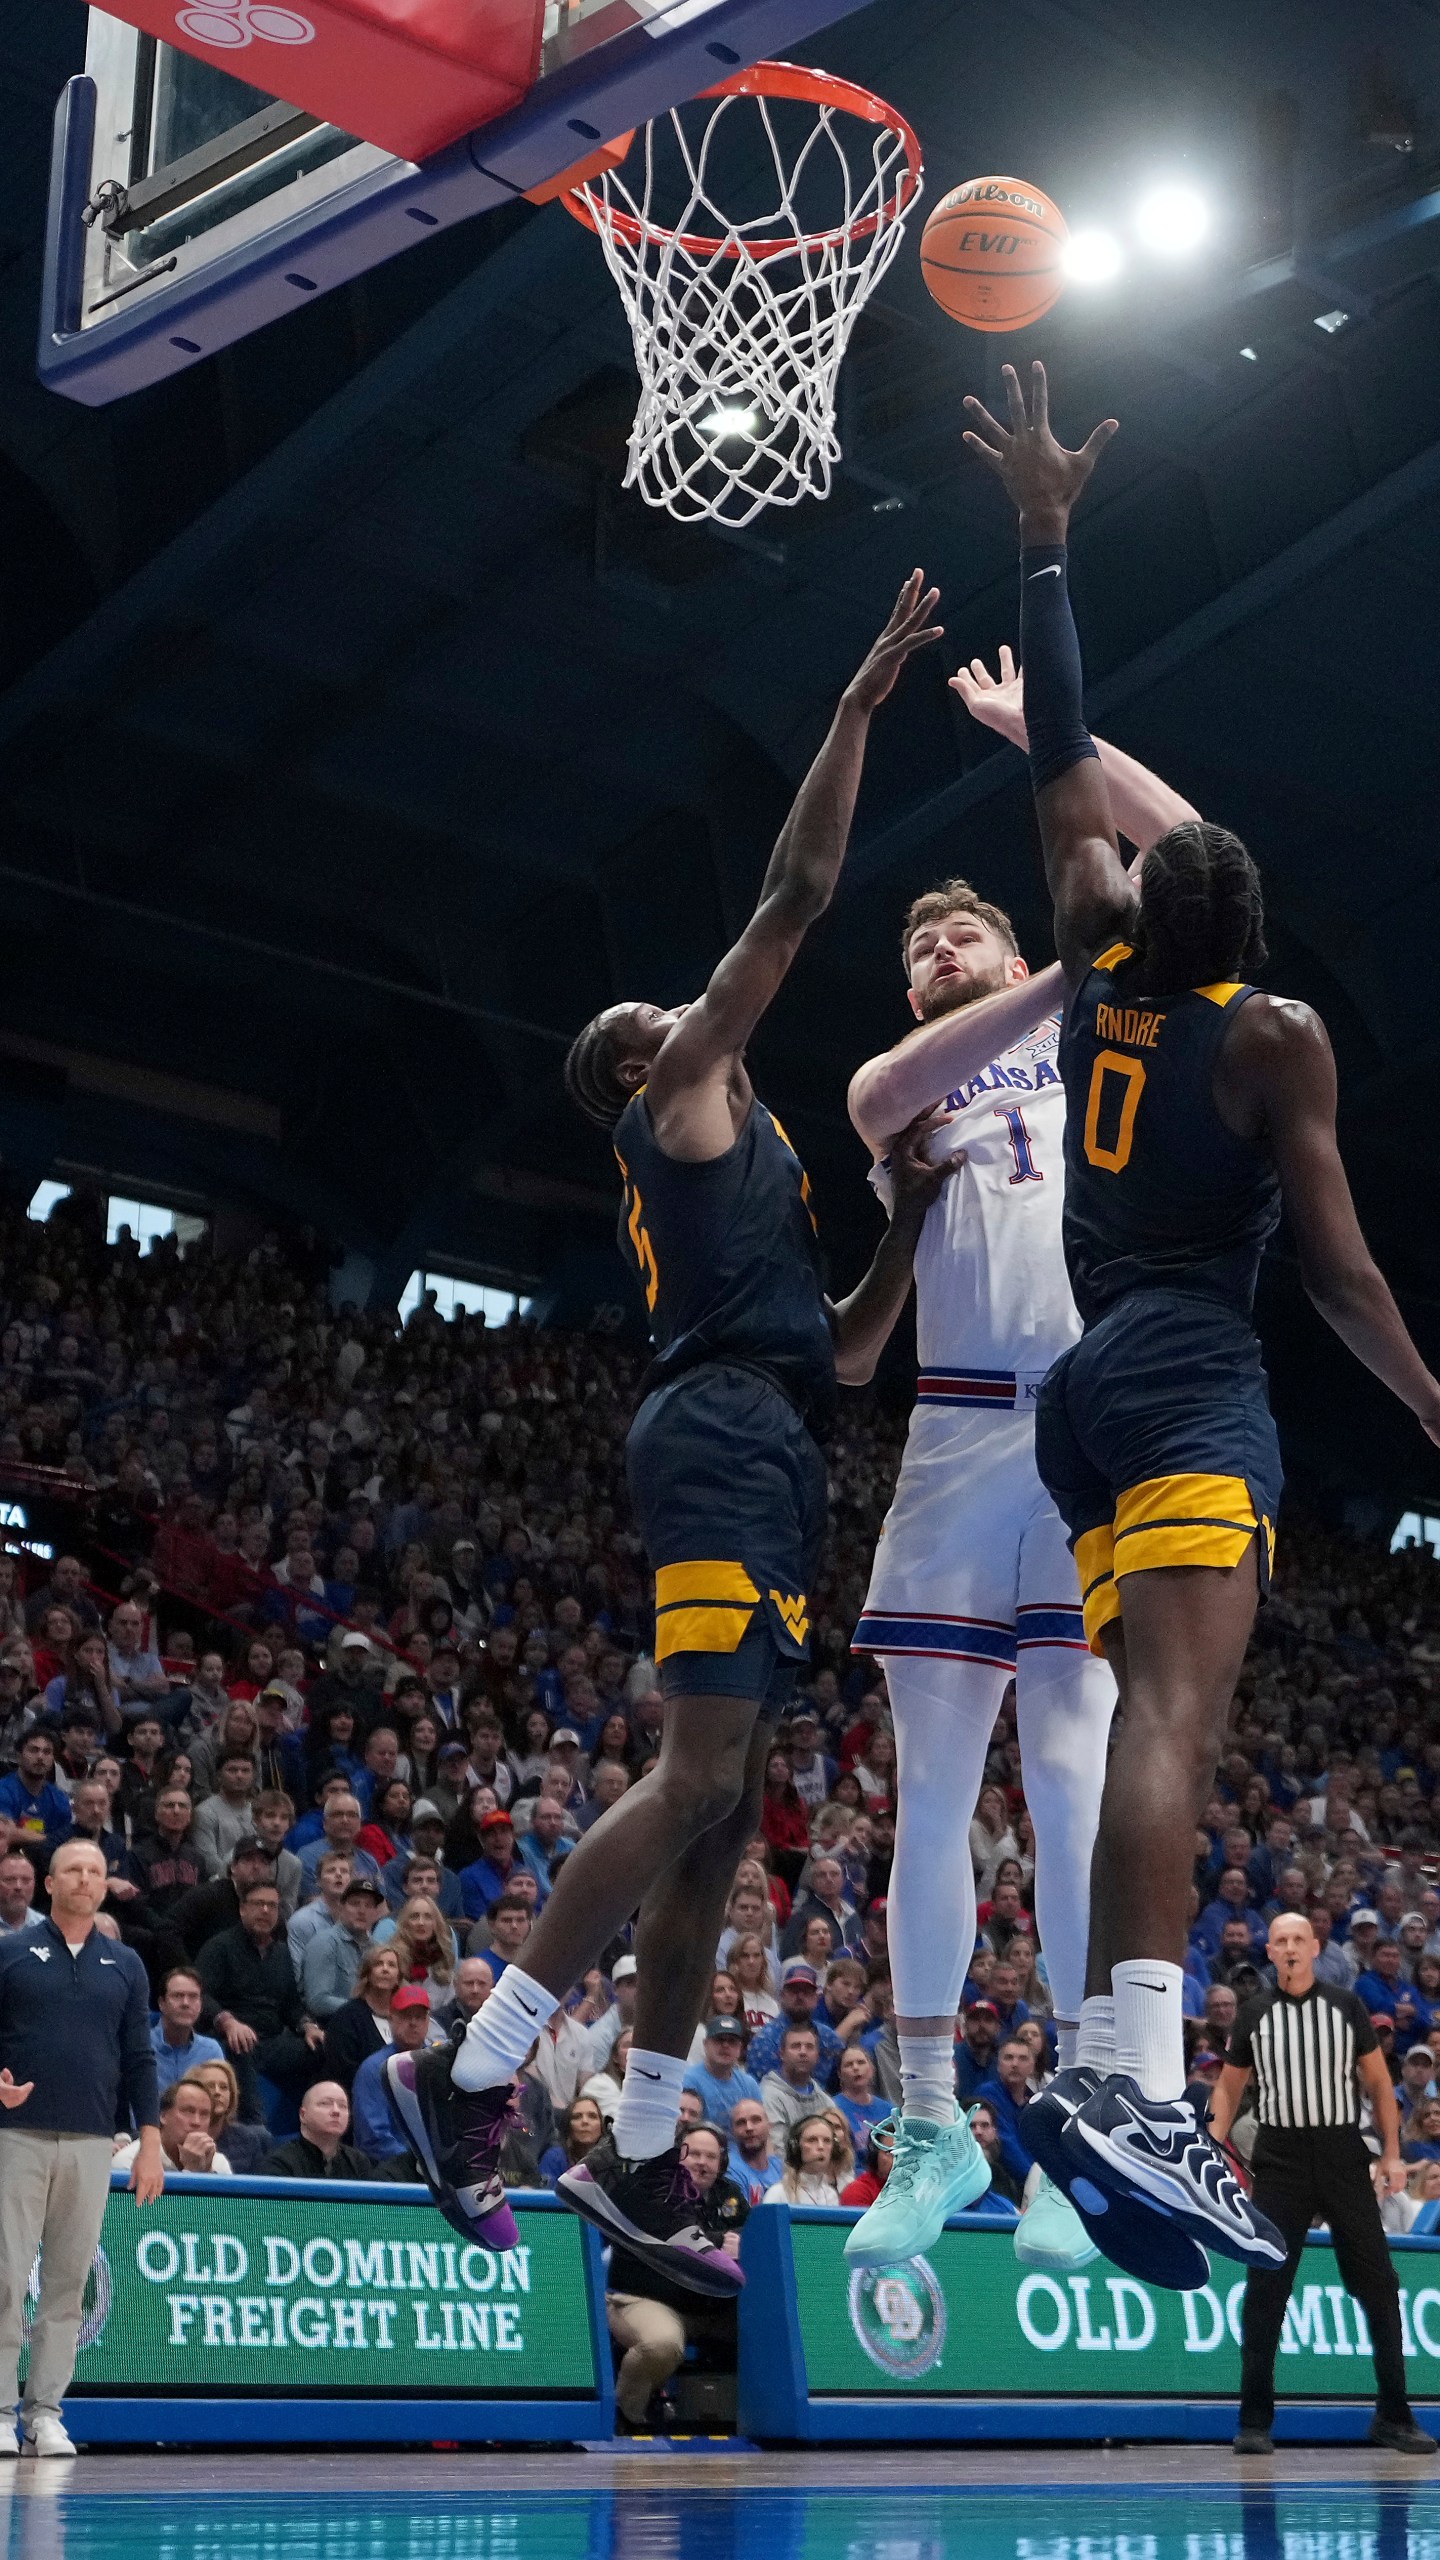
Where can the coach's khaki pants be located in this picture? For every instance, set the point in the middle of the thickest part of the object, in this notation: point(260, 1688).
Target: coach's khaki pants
point(52, 2198)
point(653, 2337)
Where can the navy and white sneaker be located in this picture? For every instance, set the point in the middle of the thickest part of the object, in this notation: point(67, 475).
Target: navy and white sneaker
point(455, 2137)
point(1136, 2146)
point(1135, 2234)
point(653, 2208)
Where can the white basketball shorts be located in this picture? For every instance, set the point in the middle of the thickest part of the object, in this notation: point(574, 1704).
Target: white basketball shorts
point(972, 1564)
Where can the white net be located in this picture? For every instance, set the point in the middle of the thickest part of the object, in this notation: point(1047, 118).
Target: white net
point(741, 325)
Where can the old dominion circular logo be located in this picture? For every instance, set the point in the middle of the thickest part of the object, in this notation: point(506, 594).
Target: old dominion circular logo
point(898, 2315)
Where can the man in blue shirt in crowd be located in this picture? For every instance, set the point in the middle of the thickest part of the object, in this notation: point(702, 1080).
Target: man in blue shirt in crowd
point(371, 2127)
point(173, 2040)
point(750, 2163)
point(1232, 1902)
point(799, 2000)
point(719, 2082)
point(1005, 2094)
point(30, 1796)
point(975, 2050)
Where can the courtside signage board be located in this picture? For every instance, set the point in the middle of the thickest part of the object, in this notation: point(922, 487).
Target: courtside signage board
point(967, 2324)
point(285, 2293)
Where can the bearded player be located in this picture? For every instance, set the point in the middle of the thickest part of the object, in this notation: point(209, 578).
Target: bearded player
point(973, 1585)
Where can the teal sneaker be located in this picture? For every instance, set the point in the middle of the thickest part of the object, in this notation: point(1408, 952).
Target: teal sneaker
point(1050, 2233)
point(938, 2170)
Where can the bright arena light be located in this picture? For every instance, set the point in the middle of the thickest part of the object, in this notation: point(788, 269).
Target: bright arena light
point(1093, 257)
point(1172, 221)
point(734, 421)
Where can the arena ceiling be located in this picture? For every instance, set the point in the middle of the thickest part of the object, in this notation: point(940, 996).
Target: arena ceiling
point(359, 736)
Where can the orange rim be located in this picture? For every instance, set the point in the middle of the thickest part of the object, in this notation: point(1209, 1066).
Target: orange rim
point(811, 88)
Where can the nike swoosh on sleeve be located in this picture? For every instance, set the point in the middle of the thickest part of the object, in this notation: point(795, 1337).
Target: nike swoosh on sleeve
point(1052, 572)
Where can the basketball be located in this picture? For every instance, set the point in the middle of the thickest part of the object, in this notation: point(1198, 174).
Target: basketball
point(991, 253)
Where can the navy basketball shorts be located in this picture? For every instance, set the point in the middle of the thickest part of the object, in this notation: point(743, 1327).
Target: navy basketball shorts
point(1154, 1437)
point(730, 1496)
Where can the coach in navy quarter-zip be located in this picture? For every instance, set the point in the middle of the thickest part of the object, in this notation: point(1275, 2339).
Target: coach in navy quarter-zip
point(75, 2064)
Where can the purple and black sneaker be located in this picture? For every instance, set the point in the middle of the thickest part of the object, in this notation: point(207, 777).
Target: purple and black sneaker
point(653, 2207)
point(455, 2137)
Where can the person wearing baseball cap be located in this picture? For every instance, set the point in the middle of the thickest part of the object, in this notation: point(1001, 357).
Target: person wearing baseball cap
point(719, 2081)
point(799, 2006)
point(372, 2126)
point(488, 1876)
point(975, 2049)
point(331, 1962)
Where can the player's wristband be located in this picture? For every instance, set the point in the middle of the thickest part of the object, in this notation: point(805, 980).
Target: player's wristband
point(1050, 658)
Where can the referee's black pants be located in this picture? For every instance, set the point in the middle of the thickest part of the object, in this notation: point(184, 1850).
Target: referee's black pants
point(1297, 2176)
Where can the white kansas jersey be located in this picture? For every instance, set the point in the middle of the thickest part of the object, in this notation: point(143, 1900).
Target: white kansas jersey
point(993, 1301)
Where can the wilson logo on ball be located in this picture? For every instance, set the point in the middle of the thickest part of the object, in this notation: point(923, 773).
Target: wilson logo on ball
point(996, 191)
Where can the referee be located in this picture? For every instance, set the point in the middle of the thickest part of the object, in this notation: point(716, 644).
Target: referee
point(1308, 2046)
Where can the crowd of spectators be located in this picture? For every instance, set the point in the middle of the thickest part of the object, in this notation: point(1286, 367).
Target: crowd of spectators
point(348, 1641)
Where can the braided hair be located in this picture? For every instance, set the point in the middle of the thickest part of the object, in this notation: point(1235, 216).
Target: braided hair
point(592, 1074)
point(1202, 910)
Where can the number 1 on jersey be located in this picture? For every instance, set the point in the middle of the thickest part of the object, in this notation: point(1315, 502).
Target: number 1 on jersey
point(1026, 1168)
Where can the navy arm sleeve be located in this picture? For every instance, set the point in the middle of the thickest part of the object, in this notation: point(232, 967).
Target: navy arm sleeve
point(1050, 659)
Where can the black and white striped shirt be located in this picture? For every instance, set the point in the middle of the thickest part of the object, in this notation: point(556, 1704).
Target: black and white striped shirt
point(1303, 2054)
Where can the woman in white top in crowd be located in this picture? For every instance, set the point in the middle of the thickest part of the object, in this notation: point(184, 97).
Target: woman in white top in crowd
point(753, 1968)
point(807, 2177)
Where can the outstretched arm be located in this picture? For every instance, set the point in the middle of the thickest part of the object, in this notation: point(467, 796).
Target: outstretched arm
point(941, 1056)
point(1144, 808)
point(863, 1323)
point(1093, 897)
point(803, 871)
point(1277, 1066)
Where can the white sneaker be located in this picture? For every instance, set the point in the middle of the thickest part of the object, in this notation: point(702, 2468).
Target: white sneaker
point(44, 2436)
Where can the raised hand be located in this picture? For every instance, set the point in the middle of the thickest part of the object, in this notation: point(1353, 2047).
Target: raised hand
point(1043, 477)
point(997, 702)
point(908, 629)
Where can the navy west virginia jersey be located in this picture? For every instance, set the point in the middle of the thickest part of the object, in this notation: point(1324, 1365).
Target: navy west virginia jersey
point(1153, 1433)
point(728, 1258)
point(1159, 1193)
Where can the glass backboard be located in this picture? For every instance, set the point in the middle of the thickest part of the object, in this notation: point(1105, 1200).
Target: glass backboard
point(189, 208)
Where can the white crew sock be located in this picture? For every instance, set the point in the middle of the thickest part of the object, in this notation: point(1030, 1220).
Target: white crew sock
point(1095, 2035)
point(1150, 2025)
point(927, 2078)
point(645, 2119)
point(1067, 2038)
point(500, 2035)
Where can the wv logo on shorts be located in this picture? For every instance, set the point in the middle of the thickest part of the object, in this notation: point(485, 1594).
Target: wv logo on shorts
point(229, 25)
point(898, 2315)
point(795, 1613)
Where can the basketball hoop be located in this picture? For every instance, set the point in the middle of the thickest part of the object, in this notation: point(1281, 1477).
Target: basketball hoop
point(741, 325)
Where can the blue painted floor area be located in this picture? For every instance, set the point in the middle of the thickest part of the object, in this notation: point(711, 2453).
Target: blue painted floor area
point(1041, 2520)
